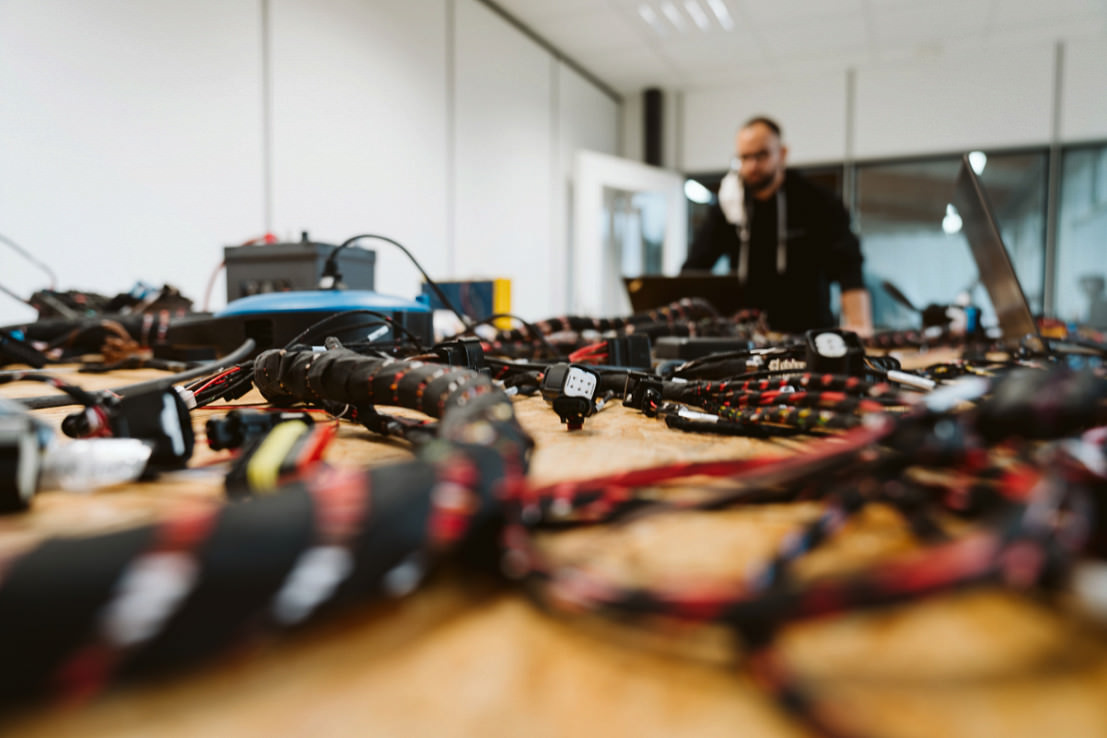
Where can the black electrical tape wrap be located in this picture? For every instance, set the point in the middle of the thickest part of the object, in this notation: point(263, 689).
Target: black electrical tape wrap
point(236, 581)
point(238, 559)
point(48, 602)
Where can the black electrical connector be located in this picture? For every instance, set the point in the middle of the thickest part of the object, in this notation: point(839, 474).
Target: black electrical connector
point(644, 394)
point(571, 389)
point(15, 350)
point(20, 463)
point(631, 352)
point(158, 416)
point(284, 448)
point(464, 352)
point(833, 351)
point(238, 427)
point(1029, 403)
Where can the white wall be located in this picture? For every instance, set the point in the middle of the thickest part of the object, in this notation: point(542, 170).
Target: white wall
point(1084, 69)
point(956, 102)
point(811, 110)
point(130, 147)
point(515, 157)
point(505, 142)
point(359, 128)
point(582, 124)
point(137, 141)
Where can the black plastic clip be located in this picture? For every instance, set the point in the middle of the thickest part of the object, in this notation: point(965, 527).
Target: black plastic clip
point(644, 394)
point(238, 427)
point(466, 352)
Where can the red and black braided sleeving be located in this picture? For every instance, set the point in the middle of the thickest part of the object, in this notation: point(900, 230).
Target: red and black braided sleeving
point(76, 613)
point(686, 310)
point(340, 375)
point(68, 632)
point(723, 427)
point(804, 418)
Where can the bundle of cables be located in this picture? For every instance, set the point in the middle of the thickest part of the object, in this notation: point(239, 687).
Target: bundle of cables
point(77, 613)
point(1006, 448)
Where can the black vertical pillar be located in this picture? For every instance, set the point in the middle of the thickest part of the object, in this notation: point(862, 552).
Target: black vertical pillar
point(651, 115)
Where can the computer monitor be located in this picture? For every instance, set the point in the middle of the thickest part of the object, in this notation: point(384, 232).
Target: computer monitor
point(997, 274)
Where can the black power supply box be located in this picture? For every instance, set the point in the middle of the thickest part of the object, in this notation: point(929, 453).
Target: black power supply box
point(287, 267)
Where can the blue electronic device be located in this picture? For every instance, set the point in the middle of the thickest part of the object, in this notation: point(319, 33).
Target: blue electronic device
point(322, 301)
point(272, 319)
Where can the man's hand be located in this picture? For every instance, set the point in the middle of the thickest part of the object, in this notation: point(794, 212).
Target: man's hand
point(857, 312)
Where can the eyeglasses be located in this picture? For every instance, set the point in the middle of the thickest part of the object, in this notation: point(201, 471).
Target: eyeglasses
point(760, 157)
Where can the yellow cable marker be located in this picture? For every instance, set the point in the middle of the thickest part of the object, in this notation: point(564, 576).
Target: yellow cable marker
point(263, 469)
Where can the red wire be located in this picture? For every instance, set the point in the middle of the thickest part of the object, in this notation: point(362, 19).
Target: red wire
point(849, 442)
point(217, 379)
point(585, 351)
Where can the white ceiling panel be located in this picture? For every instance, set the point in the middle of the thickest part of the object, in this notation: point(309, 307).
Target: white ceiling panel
point(586, 33)
point(631, 44)
point(696, 54)
point(770, 13)
point(634, 70)
point(1016, 12)
point(531, 9)
point(930, 22)
point(809, 39)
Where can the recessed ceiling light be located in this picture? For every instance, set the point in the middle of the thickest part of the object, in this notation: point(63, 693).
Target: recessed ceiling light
point(672, 12)
point(951, 223)
point(978, 160)
point(698, 16)
point(696, 192)
point(648, 14)
point(722, 13)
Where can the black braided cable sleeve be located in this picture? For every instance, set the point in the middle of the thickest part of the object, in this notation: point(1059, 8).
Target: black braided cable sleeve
point(687, 310)
point(79, 613)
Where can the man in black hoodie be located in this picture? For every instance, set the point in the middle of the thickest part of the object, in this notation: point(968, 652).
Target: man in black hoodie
point(786, 238)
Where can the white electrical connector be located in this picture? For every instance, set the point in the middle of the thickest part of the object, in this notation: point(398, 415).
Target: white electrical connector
point(911, 380)
point(187, 397)
point(571, 389)
point(83, 465)
point(579, 383)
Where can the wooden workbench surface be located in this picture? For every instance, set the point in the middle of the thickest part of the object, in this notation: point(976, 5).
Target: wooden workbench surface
point(467, 655)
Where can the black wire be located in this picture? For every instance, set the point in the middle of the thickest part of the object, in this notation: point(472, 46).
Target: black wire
point(235, 386)
point(26, 255)
point(1084, 343)
point(523, 366)
point(91, 325)
point(331, 267)
point(73, 335)
point(74, 395)
point(384, 320)
point(14, 296)
point(764, 374)
point(212, 367)
point(136, 362)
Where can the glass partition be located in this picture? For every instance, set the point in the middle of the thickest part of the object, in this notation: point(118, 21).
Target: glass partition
point(911, 234)
point(1081, 266)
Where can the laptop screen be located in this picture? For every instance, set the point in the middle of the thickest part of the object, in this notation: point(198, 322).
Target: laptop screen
point(651, 291)
point(997, 274)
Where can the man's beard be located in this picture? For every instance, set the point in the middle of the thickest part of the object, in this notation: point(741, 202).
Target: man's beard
point(757, 186)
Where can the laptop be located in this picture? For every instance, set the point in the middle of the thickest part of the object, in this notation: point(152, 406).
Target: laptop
point(651, 291)
point(997, 274)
